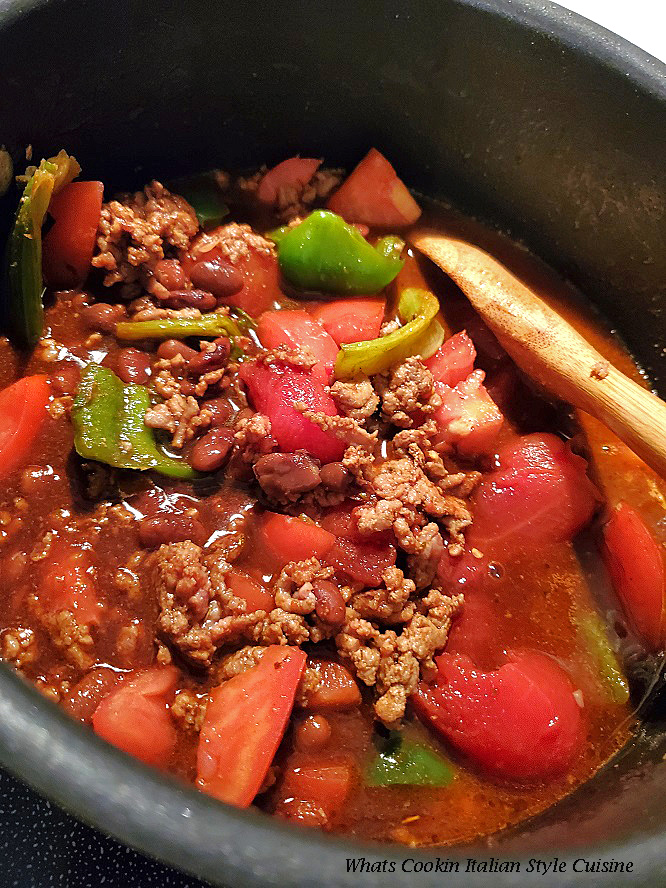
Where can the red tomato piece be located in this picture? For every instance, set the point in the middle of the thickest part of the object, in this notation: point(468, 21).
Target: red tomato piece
point(539, 494)
point(67, 583)
point(297, 328)
point(68, 245)
point(245, 720)
point(520, 721)
point(374, 194)
point(453, 361)
point(273, 390)
point(135, 718)
point(292, 539)
point(312, 793)
point(635, 562)
point(22, 413)
point(351, 320)
point(291, 173)
point(360, 557)
point(468, 417)
point(474, 630)
point(255, 596)
point(337, 686)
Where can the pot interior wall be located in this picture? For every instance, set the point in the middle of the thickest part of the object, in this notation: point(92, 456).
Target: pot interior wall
point(512, 125)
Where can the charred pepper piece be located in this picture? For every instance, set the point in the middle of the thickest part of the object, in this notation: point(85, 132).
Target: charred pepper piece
point(327, 255)
point(421, 335)
point(109, 426)
point(23, 308)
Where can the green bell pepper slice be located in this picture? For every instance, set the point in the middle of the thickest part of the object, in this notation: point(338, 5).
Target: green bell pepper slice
point(204, 195)
point(418, 309)
point(404, 762)
point(213, 324)
point(23, 310)
point(327, 255)
point(109, 426)
point(592, 631)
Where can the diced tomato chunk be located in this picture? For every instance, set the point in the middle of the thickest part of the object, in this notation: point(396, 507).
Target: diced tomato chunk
point(135, 718)
point(255, 596)
point(312, 792)
point(293, 539)
point(454, 360)
point(360, 557)
point(273, 390)
point(540, 493)
point(69, 243)
point(374, 194)
point(293, 172)
point(67, 583)
point(474, 630)
point(635, 562)
point(520, 721)
point(351, 320)
point(296, 329)
point(337, 686)
point(468, 417)
point(22, 413)
point(245, 720)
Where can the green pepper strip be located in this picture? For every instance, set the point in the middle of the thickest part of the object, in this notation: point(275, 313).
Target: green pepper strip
point(23, 310)
point(418, 309)
point(213, 324)
point(204, 195)
point(327, 255)
point(592, 630)
point(403, 762)
point(277, 235)
point(109, 426)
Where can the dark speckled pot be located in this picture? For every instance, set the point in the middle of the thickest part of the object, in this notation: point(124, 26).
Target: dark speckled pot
point(519, 112)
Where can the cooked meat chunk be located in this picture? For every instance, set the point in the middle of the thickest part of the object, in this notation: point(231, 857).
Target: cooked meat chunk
point(181, 416)
point(407, 393)
point(136, 231)
point(284, 477)
point(253, 437)
point(355, 399)
point(234, 241)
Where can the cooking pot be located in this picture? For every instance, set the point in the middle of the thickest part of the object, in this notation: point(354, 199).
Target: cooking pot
point(520, 113)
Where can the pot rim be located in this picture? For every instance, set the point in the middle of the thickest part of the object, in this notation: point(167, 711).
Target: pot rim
point(159, 816)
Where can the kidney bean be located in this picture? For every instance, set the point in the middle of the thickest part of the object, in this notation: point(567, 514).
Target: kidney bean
point(334, 476)
point(211, 451)
point(213, 356)
point(102, 316)
point(65, 381)
point(217, 276)
point(312, 734)
point(170, 273)
point(200, 299)
point(172, 347)
point(330, 606)
point(171, 527)
point(219, 409)
point(133, 365)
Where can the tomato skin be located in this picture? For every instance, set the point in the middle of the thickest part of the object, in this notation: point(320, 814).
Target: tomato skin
point(539, 494)
point(67, 584)
point(295, 328)
point(68, 245)
point(292, 539)
point(351, 320)
point(22, 413)
point(244, 724)
point(337, 686)
point(635, 562)
point(134, 717)
point(273, 389)
point(374, 194)
point(293, 171)
point(520, 721)
point(453, 361)
point(255, 596)
point(468, 417)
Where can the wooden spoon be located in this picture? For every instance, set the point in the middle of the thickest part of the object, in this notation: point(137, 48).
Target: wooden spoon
point(549, 350)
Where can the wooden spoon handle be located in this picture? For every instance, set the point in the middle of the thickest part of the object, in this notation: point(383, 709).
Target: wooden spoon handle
point(549, 350)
